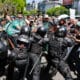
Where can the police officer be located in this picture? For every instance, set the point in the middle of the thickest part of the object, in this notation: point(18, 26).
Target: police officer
point(3, 57)
point(49, 69)
point(36, 51)
point(19, 59)
point(57, 50)
point(75, 52)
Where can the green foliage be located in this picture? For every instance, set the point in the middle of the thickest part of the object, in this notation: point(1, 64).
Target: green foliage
point(12, 6)
point(32, 12)
point(20, 4)
point(56, 11)
point(50, 11)
point(27, 13)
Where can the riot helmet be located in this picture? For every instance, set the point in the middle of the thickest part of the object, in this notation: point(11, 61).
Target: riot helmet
point(25, 30)
point(41, 31)
point(23, 39)
point(61, 32)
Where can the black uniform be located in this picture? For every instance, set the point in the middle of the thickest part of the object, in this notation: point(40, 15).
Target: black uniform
point(74, 57)
point(58, 44)
point(19, 60)
point(35, 52)
point(3, 57)
point(3, 53)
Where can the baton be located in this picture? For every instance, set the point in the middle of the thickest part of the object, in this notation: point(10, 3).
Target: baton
point(35, 63)
point(24, 77)
point(11, 43)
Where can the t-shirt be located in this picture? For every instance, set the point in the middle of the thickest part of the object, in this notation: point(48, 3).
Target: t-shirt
point(46, 25)
point(11, 27)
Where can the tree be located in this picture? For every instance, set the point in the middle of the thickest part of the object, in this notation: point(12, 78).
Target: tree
point(20, 4)
point(27, 13)
point(34, 12)
point(50, 11)
point(1, 6)
point(12, 6)
point(31, 12)
point(8, 6)
point(56, 11)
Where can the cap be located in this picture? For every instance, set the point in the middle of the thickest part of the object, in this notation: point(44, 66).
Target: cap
point(46, 16)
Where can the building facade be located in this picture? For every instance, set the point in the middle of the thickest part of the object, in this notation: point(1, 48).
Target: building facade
point(32, 6)
point(76, 6)
point(47, 4)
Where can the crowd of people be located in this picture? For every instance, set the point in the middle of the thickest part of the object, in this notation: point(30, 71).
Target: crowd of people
point(24, 40)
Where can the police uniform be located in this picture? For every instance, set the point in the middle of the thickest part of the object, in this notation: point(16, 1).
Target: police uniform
point(74, 56)
point(19, 60)
point(3, 57)
point(57, 50)
point(36, 51)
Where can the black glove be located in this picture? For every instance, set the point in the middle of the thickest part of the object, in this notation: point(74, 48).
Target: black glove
point(13, 54)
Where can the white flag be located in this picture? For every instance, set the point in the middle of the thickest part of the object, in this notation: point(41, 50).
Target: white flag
point(72, 13)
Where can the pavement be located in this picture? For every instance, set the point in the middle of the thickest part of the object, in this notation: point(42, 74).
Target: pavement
point(60, 77)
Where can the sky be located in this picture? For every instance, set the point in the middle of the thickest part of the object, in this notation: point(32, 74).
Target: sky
point(29, 1)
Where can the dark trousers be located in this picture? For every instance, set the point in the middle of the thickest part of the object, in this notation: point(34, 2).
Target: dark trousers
point(37, 69)
point(16, 72)
point(62, 67)
point(74, 58)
